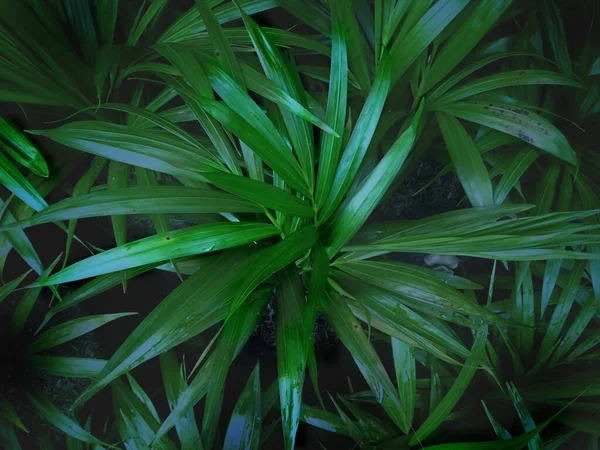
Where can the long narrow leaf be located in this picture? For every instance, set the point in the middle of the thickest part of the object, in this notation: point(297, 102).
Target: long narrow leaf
point(468, 163)
point(161, 247)
point(354, 213)
point(291, 350)
point(355, 339)
point(518, 122)
point(141, 200)
point(360, 139)
point(244, 426)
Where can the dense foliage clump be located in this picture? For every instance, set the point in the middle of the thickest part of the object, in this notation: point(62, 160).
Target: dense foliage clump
point(265, 162)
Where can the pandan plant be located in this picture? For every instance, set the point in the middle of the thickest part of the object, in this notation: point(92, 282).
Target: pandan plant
point(277, 147)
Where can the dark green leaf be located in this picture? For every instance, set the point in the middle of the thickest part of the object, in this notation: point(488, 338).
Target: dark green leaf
point(468, 163)
point(164, 246)
point(518, 122)
point(244, 427)
point(21, 149)
point(444, 408)
point(264, 194)
point(68, 366)
point(355, 212)
point(291, 340)
point(72, 329)
point(362, 134)
point(336, 105)
point(274, 259)
point(354, 338)
point(15, 182)
point(146, 200)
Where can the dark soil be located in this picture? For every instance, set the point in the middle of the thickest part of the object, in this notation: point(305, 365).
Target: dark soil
point(411, 201)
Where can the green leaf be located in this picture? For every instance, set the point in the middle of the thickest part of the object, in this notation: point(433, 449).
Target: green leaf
point(500, 431)
point(199, 302)
point(167, 126)
point(336, 105)
point(224, 353)
point(291, 346)
point(283, 74)
point(324, 420)
point(8, 412)
point(397, 314)
point(21, 149)
point(92, 288)
point(553, 26)
point(118, 178)
point(274, 259)
point(444, 408)
point(354, 338)
point(311, 12)
point(257, 132)
point(191, 23)
point(485, 60)
point(355, 212)
point(83, 186)
point(545, 194)
point(354, 39)
point(371, 427)
point(143, 21)
point(147, 200)
point(521, 123)
point(479, 19)
point(106, 17)
point(72, 329)
point(8, 288)
point(15, 182)
point(355, 432)
point(577, 328)
point(468, 163)
point(512, 174)
point(414, 282)
point(210, 378)
point(136, 421)
point(316, 289)
point(406, 376)
point(26, 303)
point(105, 67)
point(175, 383)
point(559, 315)
point(188, 64)
point(595, 68)
point(222, 48)
point(80, 19)
point(53, 415)
point(20, 242)
point(360, 139)
point(8, 436)
point(525, 417)
point(406, 50)
point(435, 388)
point(524, 311)
point(505, 79)
point(458, 222)
point(263, 86)
point(67, 366)
point(551, 272)
point(515, 239)
point(164, 246)
point(264, 194)
point(243, 431)
point(152, 149)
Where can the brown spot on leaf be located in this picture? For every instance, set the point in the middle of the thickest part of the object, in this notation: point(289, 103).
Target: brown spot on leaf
point(524, 137)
